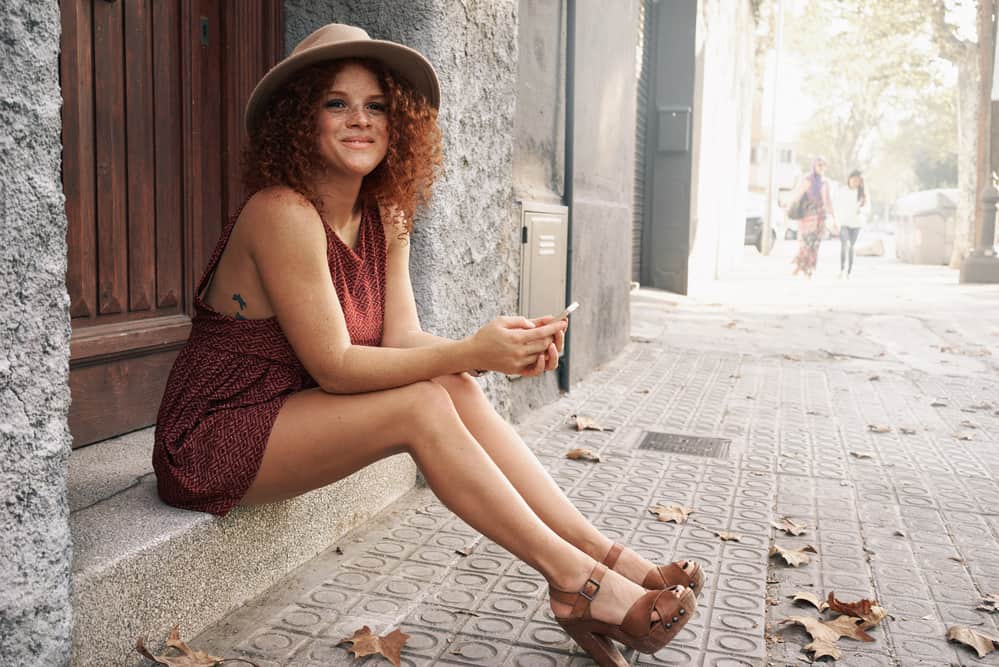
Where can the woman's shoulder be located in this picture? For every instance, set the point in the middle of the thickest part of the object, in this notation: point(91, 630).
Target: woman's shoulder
point(279, 212)
point(278, 206)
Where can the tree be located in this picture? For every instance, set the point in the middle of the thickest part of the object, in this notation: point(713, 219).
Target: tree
point(883, 73)
point(962, 51)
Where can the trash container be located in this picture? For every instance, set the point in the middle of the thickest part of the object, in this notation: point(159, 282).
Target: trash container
point(924, 226)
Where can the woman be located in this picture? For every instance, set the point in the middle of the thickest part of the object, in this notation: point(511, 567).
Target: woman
point(813, 190)
point(306, 361)
point(851, 214)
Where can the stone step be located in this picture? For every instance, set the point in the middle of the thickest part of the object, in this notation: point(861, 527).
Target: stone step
point(140, 566)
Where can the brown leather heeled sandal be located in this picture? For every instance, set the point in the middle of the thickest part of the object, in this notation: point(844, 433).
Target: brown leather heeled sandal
point(685, 573)
point(638, 631)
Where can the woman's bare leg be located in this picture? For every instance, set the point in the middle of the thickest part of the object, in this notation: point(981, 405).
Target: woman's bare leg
point(506, 448)
point(319, 438)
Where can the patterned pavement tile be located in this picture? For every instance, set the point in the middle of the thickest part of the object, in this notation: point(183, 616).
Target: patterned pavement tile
point(911, 522)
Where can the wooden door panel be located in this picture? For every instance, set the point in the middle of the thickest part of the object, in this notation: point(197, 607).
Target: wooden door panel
point(76, 73)
point(168, 116)
point(152, 132)
point(139, 124)
point(109, 135)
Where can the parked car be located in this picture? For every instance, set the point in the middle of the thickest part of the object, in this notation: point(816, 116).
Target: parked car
point(756, 204)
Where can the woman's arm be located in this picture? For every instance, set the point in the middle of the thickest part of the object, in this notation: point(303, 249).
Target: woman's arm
point(288, 247)
point(402, 323)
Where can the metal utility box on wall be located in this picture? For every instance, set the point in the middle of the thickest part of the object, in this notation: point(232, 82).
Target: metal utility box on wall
point(674, 129)
point(543, 258)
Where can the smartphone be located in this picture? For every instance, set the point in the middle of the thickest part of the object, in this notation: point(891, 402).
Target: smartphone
point(568, 309)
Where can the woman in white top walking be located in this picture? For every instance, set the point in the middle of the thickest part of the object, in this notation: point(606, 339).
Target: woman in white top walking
point(851, 209)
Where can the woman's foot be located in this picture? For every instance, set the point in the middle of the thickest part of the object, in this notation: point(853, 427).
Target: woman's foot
point(605, 607)
point(617, 595)
point(651, 576)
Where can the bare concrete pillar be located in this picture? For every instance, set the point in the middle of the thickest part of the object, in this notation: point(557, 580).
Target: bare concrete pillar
point(982, 265)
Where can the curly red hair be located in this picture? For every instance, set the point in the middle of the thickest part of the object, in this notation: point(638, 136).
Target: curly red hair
point(284, 151)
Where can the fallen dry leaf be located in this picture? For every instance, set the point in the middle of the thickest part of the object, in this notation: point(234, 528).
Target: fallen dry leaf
point(825, 633)
point(188, 657)
point(966, 423)
point(580, 454)
point(729, 537)
point(877, 428)
point(793, 557)
point(984, 405)
point(899, 533)
point(861, 455)
point(390, 645)
point(465, 551)
point(906, 431)
point(874, 378)
point(990, 603)
point(810, 598)
point(589, 424)
point(733, 324)
point(790, 526)
point(791, 357)
point(938, 404)
point(674, 513)
point(868, 611)
point(983, 644)
point(964, 436)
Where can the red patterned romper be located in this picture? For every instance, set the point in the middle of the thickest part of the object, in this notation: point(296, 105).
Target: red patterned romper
point(232, 377)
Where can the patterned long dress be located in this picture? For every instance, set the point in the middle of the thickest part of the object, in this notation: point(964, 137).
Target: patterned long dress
point(811, 229)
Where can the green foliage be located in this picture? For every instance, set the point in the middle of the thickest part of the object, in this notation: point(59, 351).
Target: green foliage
point(884, 92)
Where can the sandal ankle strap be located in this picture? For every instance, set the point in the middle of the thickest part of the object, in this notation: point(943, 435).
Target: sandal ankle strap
point(581, 599)
point(610, 560)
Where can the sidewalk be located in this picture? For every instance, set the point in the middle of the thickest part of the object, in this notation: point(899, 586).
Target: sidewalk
point(791, 373)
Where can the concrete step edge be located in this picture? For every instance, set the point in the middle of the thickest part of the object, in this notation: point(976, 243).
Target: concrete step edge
point(140, 566)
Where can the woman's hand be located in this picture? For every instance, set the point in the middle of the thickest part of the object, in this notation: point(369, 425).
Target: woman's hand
point(517, 345)
point(549, 360)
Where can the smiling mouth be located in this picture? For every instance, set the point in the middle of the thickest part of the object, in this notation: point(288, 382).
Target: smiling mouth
point(358, 143)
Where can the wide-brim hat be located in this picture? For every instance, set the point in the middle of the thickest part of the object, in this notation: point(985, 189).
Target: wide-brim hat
point(335, 41)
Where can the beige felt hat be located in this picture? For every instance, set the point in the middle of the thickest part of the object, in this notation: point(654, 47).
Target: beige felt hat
point(335, 41)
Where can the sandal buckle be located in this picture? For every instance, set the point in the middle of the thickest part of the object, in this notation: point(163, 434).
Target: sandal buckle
point(582, 591)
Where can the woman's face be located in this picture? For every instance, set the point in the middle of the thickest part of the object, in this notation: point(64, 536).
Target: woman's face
point(820, 168)
point(352, 124)
point(853, 182)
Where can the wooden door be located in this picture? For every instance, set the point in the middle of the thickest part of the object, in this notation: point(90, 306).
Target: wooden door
point(153, 92)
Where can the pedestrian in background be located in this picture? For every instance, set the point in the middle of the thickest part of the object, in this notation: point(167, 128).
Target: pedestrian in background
point(811, 198)
point(851, 214)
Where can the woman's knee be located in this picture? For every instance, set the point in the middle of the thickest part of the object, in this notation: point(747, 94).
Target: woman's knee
point(427, 407)
point(461, 387)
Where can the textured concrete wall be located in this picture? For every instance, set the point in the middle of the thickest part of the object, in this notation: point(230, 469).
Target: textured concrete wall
point(35, 616)
point(539, 140)
point(603, 161)
point(723, 99)
point(466, 248)
point(539, 122)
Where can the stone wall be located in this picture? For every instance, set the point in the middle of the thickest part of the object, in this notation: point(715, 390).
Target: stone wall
point(35, 617)
point(466, 248)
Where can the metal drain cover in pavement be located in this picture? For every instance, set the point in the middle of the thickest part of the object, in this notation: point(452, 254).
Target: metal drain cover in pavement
point(691, 445)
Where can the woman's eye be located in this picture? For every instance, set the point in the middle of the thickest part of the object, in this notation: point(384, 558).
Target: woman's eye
point(336, 104)
point(377, 107)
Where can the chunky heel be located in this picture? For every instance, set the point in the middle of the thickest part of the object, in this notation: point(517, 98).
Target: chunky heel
point(640, 630)
point(601, 649)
